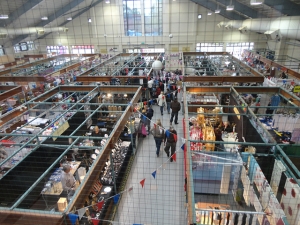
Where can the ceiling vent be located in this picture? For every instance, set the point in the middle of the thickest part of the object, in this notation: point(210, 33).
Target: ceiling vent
point(40, 32)
point(3, 36)
point(243, 30)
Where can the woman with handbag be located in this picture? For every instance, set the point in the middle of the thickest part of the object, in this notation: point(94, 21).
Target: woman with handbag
point(158, 132)
point(161, 101)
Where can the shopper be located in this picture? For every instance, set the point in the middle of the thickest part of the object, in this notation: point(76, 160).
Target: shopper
point(161, 101)
point(175, 106)
point(149, 115)
point(158, 133)
point(67, 179)
point(169, 98)
point(170, 141)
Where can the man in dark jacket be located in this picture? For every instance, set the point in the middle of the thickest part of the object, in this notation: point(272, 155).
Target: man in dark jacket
point(175, 106)
point(149, 115)
point(169, 97)
point(170, 140)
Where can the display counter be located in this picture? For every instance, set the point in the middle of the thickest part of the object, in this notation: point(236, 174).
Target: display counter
point(54, 186)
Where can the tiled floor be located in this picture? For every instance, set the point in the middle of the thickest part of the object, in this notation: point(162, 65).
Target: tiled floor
point(162, 199)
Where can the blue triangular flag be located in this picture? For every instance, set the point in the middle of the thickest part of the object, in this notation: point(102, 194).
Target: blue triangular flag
point(154, 174)
point(116, 198)
point(144, 117)
point(73, 218)
point(182, 147)
point(168, 133)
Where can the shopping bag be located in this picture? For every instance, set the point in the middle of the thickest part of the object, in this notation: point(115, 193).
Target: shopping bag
point(144, 131)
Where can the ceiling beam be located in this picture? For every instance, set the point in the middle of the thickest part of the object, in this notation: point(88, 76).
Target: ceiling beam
point(51, 18)
point(285, 7)
point(20, 11)
point(75, 16)
point(212, 6)
point(243, 9)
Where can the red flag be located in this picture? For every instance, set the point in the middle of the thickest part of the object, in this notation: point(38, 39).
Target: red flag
point(175, 137)
point(142, 182)
point(174, 156)
point(100, 205)
point(145, 102)
point(95, 221)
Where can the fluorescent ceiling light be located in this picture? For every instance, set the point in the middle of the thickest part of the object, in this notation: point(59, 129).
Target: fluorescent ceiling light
point(209, 13)
point(256, 2)
point(44, 18)
point(199, 16)
point(3, 17)
point(107, 1)
point(70, 18)
point(217, 11)
point(230, 7)
point(89, 20)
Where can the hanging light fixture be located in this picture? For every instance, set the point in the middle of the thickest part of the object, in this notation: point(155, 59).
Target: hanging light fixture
point(230, 7)
point(89, 20)
point(209, 13)
point(107, 1)
point(217, 10)
point(256, 2)
point(3, 17)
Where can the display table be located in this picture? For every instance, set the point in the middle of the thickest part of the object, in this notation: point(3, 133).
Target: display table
point(54, 186)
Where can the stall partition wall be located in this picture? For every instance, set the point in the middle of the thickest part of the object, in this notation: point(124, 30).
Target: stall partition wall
point(261, 194)
point(207, 175)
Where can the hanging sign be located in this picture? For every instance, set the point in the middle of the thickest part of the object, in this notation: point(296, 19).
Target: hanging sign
point(236, 111)
point(296, 89)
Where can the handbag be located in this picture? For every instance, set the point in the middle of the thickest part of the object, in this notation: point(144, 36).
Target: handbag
point(144, 131)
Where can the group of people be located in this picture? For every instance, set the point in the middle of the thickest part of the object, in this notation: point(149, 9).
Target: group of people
point(166, 102)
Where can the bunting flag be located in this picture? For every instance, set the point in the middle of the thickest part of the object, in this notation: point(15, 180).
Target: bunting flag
point(154, 174)
point(174, 156)
point(145, 102)
point(182, 140)
point(130, 191)
point(142, 182)
point(73, 218)
point(182, 146)
point(175, 137)
point(144, 117)
point(100, 205)
point(81, 212)
point(116, 198)
point(167, 133)
point(95, 221)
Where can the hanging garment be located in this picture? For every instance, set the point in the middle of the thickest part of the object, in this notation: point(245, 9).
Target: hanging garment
point(228, 219)
point(275, 100)
point(244, 219)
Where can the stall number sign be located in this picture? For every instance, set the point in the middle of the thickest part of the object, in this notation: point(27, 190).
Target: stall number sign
point(236, 111)
point(297, 89)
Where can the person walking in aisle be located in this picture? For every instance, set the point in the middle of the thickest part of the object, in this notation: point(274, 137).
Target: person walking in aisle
point(170, 141)
point(161, 101)
point(158, 133)
point(149, 115)
point(175, 106)
point(169, 98)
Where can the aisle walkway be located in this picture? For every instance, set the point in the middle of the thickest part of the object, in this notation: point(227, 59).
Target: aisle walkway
point(162, 199)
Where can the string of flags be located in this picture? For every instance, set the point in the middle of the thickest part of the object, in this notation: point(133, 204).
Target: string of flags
point(80, 212)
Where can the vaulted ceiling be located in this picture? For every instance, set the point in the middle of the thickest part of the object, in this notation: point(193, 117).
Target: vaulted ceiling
point(244, 10)
point(28, 13)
